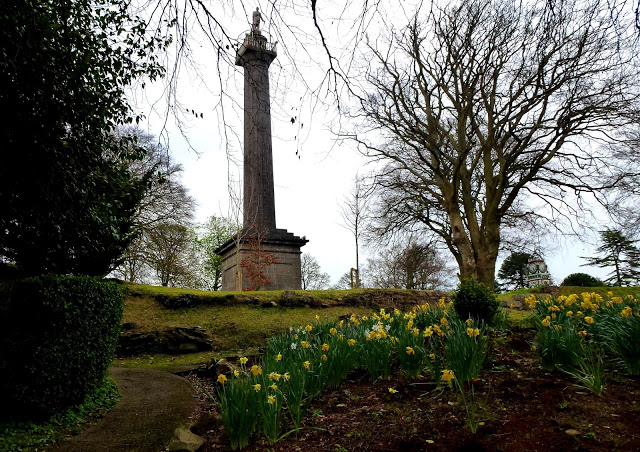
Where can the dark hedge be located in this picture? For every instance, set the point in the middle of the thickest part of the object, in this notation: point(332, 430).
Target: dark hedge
point(58, 338)
point(472, 299)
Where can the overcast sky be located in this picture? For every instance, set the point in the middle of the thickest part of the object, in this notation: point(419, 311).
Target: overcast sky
point(313, 173)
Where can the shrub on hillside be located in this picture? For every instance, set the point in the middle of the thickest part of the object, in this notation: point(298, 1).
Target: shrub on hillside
point(472, 299)
point(581, 280)
point(57, 340)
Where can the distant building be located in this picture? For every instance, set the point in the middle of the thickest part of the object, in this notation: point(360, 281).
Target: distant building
point(537, 274)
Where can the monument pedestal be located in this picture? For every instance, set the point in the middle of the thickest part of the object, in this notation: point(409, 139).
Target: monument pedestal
point(285, 274)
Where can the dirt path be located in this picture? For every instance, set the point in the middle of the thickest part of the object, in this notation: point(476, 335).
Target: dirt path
point(152, 405)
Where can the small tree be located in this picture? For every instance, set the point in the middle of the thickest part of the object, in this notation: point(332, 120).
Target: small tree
point(212, 234)
point(256, 261)
point(619, 252)
point(312, 277)
point(513, 271)
point(355, 214)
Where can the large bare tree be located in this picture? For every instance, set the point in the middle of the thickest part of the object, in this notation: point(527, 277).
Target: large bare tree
point(482, 109)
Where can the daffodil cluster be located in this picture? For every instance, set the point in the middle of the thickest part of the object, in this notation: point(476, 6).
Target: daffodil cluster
point(300, 363)
point(568, 324)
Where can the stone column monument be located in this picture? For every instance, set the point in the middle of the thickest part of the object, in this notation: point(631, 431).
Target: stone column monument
point(259, 212)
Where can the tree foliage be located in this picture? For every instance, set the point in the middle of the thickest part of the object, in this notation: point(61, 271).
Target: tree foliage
point(621, 253)
point(211, 235)
point(513, 271)
point(483, 109)
point(581, 280)
point(171, 254)
point(165, 200)
point(66, 193)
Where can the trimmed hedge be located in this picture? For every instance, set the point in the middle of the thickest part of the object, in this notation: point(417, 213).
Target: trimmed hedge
point(58, 339)
point(472, 299)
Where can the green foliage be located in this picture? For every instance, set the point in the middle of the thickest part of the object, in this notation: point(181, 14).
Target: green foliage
point(558, 343)
point(211, 235)
point(67, 198)
point(28, 435)
point(473, 300)
point(581, 280)
point(58, 340)
point(465, 349)
point(619, 252)
point(513, 270)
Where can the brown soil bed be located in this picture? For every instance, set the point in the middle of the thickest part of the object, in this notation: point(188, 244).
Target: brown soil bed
point(523, 407)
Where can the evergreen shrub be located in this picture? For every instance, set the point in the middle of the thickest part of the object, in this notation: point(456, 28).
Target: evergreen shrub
point(582, 280)
point(474, 300)
point(57, 340)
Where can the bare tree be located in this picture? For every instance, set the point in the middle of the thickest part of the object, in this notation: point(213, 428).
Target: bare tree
point(171, 254)
point(409, 265)
point(312, 277)
point(355, 212)
point(166, 200)
point(487, 112)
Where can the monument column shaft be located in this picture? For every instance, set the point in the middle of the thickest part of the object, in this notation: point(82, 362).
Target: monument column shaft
point(259, 209)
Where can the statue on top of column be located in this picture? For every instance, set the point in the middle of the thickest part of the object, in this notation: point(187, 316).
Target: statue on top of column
point(257, 17)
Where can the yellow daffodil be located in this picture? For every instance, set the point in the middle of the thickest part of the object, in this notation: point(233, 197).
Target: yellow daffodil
point(244, 360)
point(470, 332)
point(476, 332)
point(432, 356)
point(325, 347)
point(569, 313)
point(304, 344)
point(392, 391)
point(278, 357)
point(271, 399)
point(257, 387)
point(273, 386)
point(274, 376)
point(309, 328)
point(317, 317)
point(222, 378)
point(626, 312)
point(333, 331)
point(582, 333)
point(428, 332)
point(444, 321)
point(416, 331)
point(534, 348)
point(589, 320)
point(325, 357)
point(410, 351)
point(307, 365)
point(447, 375)
point(286, 376)
point(256, 370)
point(546, 321)
point(351, 342)
point(236, 373)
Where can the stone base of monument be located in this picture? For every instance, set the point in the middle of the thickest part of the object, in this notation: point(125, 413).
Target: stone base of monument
point(285, 274)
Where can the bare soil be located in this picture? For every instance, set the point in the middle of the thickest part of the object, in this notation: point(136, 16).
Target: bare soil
point(522, 407)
